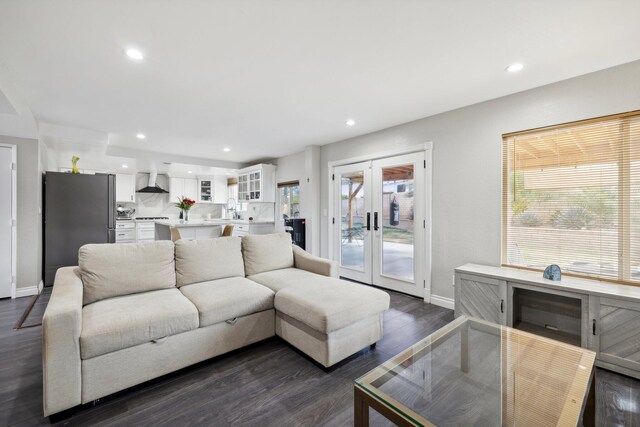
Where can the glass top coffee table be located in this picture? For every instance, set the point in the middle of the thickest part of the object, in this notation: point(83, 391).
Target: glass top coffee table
point(476, 373)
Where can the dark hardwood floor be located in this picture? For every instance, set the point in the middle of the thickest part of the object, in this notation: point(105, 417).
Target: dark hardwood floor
point(266, 384)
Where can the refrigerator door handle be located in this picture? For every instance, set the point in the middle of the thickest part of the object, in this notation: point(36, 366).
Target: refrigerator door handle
point(111, 202)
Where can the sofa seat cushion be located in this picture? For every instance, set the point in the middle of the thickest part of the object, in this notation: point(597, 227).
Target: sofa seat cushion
point(116, 269)
point(202, 260)
point(287, 278)
point(225, 299)
point(332, 305)
point(267, 252)
point(121, 322)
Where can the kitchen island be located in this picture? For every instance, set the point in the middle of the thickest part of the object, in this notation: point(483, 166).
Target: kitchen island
point(198, 229)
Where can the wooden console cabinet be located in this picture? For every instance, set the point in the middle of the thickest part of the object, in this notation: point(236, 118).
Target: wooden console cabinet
point(603, 317)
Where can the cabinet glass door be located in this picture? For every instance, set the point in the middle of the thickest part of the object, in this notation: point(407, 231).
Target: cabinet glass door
point(243, 193)
point(257, 187)
point(205, 191)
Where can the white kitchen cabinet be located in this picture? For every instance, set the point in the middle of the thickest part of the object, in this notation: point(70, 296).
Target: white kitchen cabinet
point(207, 232)
point(125, 188)
point(145, 231)
point(257, 184)
point(220, 190)
point(205, 190)
point(240, 230)
point(125, 232)
point(212, 189)
point(183, 187)
point(243, 189)
point(191, 189)
point(176, 189)
point(199, 233)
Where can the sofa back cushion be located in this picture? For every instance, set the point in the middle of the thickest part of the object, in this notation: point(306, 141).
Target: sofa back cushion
point(204, 260)
point(267, 252)
point(110, 270)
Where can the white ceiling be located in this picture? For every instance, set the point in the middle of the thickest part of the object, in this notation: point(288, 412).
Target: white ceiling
point(268, 77)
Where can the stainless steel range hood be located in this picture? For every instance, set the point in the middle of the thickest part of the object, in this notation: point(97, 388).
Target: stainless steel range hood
point(153, 187)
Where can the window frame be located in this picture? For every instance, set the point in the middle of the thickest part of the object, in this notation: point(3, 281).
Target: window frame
point(624, 223)
point(286, 184)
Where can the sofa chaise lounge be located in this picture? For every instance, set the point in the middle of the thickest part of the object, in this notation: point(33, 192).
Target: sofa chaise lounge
point(129, 313)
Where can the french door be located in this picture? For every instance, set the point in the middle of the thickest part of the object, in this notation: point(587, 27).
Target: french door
point(379, 222)
point(6, 223)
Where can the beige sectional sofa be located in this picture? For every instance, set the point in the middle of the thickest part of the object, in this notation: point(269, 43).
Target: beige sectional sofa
point(132, 312)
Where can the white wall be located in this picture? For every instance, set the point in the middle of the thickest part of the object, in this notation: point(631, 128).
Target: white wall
point(29, 227)
point(467, 159)
point(290, 168)
point(305, 168)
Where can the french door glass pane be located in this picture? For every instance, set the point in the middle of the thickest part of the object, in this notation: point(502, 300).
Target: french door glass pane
point(397, 221)
point(352, 211)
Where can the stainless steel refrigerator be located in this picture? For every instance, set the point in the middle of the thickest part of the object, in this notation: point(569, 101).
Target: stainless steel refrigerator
point(78, 209)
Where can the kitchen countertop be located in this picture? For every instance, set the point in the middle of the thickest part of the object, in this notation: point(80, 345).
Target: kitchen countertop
point(207, 222)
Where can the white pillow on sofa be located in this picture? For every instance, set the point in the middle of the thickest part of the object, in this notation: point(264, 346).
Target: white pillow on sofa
point(110, 270)
point(203, 260)
point(267, 252)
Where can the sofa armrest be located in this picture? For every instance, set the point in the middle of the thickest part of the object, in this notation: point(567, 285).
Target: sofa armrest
point(61, 327)
point(305, 261)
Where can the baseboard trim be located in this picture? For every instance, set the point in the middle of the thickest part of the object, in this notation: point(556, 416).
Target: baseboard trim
point(442, 301)
point(29, 291)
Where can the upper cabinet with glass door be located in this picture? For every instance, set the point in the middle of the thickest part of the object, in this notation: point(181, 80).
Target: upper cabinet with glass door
point(212, 189)
point(257, 184)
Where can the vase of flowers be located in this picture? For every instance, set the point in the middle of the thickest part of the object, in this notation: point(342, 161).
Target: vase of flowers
point(185, 204)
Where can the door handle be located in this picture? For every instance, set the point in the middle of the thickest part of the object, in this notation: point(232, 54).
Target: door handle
point(501, 306)
point(593, 330)
point(368, 221)
point(375, 221)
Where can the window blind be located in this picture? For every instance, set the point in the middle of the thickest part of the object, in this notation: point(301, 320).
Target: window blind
point(288, 184)
point(571, 196)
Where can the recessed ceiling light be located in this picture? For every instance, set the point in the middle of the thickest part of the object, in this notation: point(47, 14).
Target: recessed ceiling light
point(189, 172)
point(350, 122)
point(125, 166)
point(134, 54)
point(226, 149)
point(513, 68)
point(141, 136)
point(228, 173)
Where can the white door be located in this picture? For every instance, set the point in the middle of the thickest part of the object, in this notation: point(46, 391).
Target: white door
point(398, 207)
point(352, 220)
point(381, 222)
point(6, 216)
